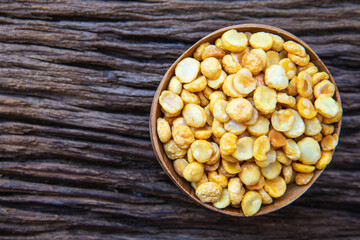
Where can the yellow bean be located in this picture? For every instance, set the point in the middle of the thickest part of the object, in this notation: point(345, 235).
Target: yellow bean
point(275, 187)
point(209, 192)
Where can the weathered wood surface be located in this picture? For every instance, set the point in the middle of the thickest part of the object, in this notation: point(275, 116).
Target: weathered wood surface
point(76, 84)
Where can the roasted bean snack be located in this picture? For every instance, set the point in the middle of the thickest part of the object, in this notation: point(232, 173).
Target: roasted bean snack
point(247, 115)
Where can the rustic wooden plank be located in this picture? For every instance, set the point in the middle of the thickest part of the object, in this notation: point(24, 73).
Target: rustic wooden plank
point(76, 83)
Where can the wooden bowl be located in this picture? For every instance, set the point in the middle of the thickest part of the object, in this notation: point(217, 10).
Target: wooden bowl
point(293, 191)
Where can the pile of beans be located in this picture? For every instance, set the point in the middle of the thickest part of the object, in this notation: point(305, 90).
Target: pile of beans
point(245, 116)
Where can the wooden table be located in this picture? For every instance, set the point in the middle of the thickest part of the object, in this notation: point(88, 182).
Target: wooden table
point(76, 84)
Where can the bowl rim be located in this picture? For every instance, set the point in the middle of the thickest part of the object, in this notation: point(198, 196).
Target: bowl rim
point(157, 145)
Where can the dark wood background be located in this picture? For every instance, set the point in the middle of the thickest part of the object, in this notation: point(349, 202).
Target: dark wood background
point(76, 84)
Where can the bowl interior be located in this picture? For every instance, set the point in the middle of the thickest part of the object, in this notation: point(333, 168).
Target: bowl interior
point(293, 191)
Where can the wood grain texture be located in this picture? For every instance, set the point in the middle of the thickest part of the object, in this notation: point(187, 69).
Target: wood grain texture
point(76, 85)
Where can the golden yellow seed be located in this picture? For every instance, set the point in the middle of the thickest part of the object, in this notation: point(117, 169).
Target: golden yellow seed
point(250, 173)
point(289, 67)
point(254, 118)
point(324, 87)
point(329, 142)
point(310, 150)
point(228, 143)
point(230, 65)
point(272, 58)
point(179, 166)
point(244, 83)
point(212, 51)
point(277, 43)
point(224, 200)
point(236, 190)
point(183, 136)
point(228, 87)
point(259, 185)
point(215, 157)
point(234, 41)
point(298, 128)
point(209, 192)
point(288, 174)
point(217, 83)
point(187, 70)
point(193, 172)
point(222, 171)
point(303, 68)
point(235, 127)
point(327, 129)
point(239, 109)
point(254, 62)
point(260, 80)
point(178, 121)
point(312, 70)
point(318, 137)
point(218, 129)
point(266, 198)
point(282, 158)
point(189, 156)
point(189, 97)
point(337, 117)
point(301, 61)
point(261, 40)
point(163, 130)
point(318, 77)
point(203, 132)
point(219, 110)
point(271, 171)
point(285, 100)
point(283, 120)
point(261, 148)
point(276, 138)
point(306, 108)
point(203, 100)
point(197, 85)
point(201, 150)
point(275, 77)
point(265, 99)
point(194, 115)
point(244, 149)
point(209, 116)
point(212, 167)
point(261, 127)
point(172, 151)
point(303, 168)
point(327, 106)
point(251, 203)
point(218, 178)
point(239, 55)
point(324, 160)
point(292, 88)
point(303, 178)
point(312, 126)
point(292, 150)
point(211, 68)
point(171, 102)
point(231, 167)
point(304, 84)
point(203, 179)
point(216, 95)
point(208, 91)
point(218, 43)
point(175, 85)
point(294, 48)
point(275, 187)
point(199, 50)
